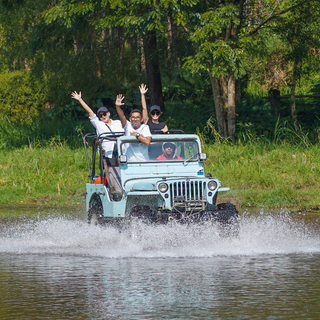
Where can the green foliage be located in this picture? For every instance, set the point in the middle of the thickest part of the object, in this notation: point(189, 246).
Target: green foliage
point(41, 132)
point(22, 97)
point(95, 47)
point(216, 52)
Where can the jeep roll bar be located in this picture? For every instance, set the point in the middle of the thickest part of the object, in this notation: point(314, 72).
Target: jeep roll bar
point(97, 141)
point(169, 131)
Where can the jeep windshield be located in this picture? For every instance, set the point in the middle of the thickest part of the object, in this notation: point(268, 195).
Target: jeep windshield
point(165, 150)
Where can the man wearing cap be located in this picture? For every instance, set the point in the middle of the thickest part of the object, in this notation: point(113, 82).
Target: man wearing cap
point(169, 152)
point(135, 151)
point(155, 113)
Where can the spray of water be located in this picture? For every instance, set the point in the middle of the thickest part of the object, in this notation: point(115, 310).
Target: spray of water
point(259, 234)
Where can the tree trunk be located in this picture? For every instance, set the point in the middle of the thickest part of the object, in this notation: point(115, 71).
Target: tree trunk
point(231, 106)
point(224, 96)
point(274, 99)
point(93, 48)
point(218, 103)
point(143, 58)
point(292, 97)
point(172, 36)
point(153, 69)
point(293, 85)
point(238, 93)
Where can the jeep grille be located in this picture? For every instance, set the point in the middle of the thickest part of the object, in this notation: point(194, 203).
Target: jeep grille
point(189, 190)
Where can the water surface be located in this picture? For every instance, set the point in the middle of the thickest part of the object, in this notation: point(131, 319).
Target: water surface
point(61, 268)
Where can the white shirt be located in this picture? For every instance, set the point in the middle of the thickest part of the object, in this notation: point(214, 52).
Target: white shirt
point(137, 152)
point(101, 127)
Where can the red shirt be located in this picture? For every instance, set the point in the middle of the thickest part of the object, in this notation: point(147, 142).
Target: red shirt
point(163, 157)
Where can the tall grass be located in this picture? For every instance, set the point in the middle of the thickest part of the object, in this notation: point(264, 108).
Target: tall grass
point(282, 172)
point(55, 174)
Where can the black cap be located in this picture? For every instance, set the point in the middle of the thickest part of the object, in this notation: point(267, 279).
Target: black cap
point(155, 107)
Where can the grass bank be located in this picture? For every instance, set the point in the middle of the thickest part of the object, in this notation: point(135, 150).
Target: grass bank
point(49, 175)
point(259, 174)
point(268, 175)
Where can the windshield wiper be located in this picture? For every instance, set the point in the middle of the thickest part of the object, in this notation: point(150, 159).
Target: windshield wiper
point(188, 160)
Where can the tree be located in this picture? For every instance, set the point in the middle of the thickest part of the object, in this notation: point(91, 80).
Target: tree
point(298, 31)
point(223, 32)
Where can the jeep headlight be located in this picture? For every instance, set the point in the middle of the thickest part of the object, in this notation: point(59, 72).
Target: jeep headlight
point(212, 185)
point(163, 187)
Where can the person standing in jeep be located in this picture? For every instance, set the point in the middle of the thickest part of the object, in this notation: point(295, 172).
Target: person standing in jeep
point(102, 123)
point(155, 112)
point(135, 152)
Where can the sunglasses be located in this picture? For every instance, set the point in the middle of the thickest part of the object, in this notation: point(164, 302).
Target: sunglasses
point(155, 112)
point(102, 114)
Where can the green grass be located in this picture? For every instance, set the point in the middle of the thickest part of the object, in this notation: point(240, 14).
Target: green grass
point(50, 175)
point(259, 174)
point(268, 175)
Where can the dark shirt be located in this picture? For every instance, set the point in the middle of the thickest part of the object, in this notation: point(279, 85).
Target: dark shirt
point(155, 126)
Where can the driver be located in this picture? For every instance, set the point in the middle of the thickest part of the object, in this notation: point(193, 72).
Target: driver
point(169, 150)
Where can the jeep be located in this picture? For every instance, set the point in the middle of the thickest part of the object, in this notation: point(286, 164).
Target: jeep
point(156, 189)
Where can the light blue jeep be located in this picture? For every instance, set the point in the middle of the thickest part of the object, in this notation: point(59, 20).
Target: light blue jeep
point(157, 185)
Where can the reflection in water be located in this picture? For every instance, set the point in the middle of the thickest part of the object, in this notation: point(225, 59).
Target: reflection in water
point(62, 268)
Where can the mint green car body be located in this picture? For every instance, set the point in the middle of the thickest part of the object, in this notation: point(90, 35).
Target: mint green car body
point(157, 190)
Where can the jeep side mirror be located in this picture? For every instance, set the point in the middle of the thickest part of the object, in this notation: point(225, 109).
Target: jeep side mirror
point(202, 156)
point(123, 158)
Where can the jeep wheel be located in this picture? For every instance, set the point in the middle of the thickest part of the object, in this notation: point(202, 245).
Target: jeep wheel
point(227, 216)
point(93, 219)
point(95, 211)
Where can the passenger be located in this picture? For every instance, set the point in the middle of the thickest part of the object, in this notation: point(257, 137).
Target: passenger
point(103, 123)
point(169, 152)
point(155, 113)
point(135, 151)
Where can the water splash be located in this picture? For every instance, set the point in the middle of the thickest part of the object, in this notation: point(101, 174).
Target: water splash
point(259, 234)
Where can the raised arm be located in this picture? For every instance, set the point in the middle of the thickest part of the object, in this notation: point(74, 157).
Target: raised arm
point(77, 96)
point(143, 90)
point(119, 103)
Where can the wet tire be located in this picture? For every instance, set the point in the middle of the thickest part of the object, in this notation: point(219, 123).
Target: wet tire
point(143, 213)
point(93, 220)
point(228, 218)
point(95, 212)
point(227, 213)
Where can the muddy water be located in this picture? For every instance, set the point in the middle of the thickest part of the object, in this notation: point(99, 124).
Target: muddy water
point(55, 266)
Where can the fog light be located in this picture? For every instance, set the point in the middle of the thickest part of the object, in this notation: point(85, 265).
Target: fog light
point(209, 194)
